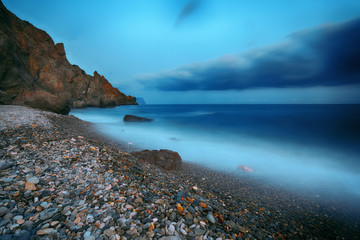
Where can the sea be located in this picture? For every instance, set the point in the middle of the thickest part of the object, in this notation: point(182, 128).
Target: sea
point(310, 148)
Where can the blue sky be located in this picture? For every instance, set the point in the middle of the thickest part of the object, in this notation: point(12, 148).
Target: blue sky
point(141, 46)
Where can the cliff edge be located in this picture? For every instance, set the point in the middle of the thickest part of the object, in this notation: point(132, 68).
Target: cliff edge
point(35, 72)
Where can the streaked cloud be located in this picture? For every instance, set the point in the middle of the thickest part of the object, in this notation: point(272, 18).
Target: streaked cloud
point(324, 56)
point(187, 10)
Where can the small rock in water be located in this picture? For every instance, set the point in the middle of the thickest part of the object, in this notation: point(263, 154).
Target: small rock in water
point(245, 168)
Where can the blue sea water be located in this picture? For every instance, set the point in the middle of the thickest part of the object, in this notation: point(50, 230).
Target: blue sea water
point(311, 147)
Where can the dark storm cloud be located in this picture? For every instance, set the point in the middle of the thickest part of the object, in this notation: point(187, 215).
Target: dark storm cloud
point(325, 56)
point(187, 10)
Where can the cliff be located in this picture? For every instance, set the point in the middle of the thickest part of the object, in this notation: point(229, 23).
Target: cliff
point(35, 72)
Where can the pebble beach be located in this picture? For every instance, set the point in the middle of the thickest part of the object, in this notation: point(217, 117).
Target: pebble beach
point(60, 179)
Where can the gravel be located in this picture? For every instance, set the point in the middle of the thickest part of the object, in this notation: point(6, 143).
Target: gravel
point(63, 180)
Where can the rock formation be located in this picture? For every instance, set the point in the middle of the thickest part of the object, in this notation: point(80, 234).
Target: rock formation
point(140, 101)
point(35, 72)
point(133, 118)
point(166, 159)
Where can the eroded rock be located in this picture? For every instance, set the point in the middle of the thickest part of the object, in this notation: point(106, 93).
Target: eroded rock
point(133, 118)
point(34, 72)
point(166, 159)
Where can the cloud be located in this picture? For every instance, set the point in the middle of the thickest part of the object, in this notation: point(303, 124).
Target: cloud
point(187, 10)
point(325, 56)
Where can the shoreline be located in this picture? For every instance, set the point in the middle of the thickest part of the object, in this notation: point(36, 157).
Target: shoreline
point(248, 209)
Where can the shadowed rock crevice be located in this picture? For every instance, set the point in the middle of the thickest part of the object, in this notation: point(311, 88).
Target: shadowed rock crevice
point(34, 72)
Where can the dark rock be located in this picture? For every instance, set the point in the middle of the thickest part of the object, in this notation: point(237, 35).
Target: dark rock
point(4, 222)
point(6, 237)
point(34, 72)
point(191, 210)
point(48, 213)
point(166, 159)
point(199, 231)
point(3, 211)
point(5, 165)
point(132, 118)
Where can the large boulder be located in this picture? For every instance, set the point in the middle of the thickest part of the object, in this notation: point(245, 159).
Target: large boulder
point(166, 159)
point(133, 118)
point(34, 72)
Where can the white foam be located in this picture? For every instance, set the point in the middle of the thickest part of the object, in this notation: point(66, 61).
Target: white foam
point(296, 166)
point(284, 164)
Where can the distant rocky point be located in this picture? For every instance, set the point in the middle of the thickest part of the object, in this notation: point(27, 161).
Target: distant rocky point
point(140, 101)
point(35, 72)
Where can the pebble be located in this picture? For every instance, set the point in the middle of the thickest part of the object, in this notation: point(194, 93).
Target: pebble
point(171, 230)
point(4, 222)
point(45, 231)
point(48, 213)
point(3, 211)
point(90, 218)
point(109, 232)
point(77, 220)
point(5, 165)
point(77, 189)
point(160, 201)
point(54, 223)
point(199, 231)
point(171, 238)
point(89, 238)
point(14, 227)
point(183, 232)
point(20, 221)
point(33, 180)
point(138, 200)
point(211, 218)
point(30, 186)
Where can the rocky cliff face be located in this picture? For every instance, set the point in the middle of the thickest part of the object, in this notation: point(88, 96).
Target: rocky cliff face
point(35, 72)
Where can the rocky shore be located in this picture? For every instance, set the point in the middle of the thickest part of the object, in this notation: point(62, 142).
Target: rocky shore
point(59, 179)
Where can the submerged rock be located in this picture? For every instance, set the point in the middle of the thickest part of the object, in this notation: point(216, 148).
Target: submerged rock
point(133, 118)
point(166, 159)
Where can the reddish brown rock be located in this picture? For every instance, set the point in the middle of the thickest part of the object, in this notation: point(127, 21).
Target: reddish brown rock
point(30, 186)
point(34, 72)
point(166, 159)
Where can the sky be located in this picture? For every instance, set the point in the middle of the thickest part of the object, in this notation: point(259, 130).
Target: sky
point(210, 51)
